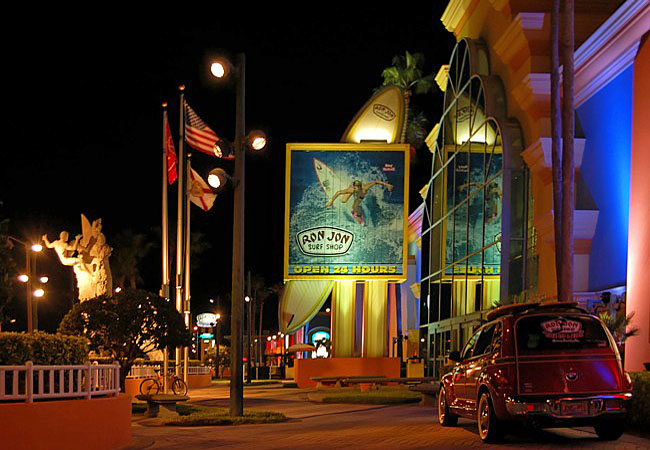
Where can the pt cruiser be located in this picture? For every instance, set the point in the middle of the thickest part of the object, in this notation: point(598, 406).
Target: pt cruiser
point(545, 365)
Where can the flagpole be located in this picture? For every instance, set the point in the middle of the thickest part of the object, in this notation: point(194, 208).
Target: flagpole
point(164, 291)
point(179, 221)
point(187, 263)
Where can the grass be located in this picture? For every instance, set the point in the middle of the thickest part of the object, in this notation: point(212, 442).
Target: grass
point(383, 396)
point(253, 382)
point(196, 416)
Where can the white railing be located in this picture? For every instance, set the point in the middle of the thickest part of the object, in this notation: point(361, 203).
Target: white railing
point(198, 370)
point(143, 371)
point(154, 370)
point(29, 382)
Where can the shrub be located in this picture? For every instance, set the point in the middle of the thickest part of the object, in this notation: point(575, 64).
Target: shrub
point(42, 349)
point(639, 412)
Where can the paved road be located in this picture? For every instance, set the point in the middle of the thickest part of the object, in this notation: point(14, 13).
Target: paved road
point(315, 426)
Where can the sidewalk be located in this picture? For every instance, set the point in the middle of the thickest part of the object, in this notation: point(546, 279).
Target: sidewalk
point(338, 426)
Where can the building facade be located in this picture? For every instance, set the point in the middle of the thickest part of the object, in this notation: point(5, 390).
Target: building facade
point(486, 226)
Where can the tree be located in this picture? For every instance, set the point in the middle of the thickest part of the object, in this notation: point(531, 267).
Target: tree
point(127, 326)
point(556, 139)
point(406, 73)
point(619, 325)
point(568, 135)
point(563, 124)
point(130, 248)
point(7, 269)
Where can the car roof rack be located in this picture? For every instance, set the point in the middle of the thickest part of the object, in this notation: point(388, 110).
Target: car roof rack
point(520, 308)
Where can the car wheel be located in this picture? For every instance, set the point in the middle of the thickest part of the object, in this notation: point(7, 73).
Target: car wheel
point(609, 430)
point(445, 417)
point(489, 428)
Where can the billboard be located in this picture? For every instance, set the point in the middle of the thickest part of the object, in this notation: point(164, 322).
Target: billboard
point(346, 211)
point(476, 222)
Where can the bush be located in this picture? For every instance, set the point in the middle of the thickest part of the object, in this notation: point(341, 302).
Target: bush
point(42, 349)
point(639, 412)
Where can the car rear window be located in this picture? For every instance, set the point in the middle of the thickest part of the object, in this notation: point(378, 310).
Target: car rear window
point(560, 332)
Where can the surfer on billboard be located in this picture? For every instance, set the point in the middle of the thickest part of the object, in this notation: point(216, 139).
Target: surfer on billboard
point(358, 190)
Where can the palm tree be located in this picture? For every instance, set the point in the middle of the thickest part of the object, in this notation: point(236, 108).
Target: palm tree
point(556, 134)
point(406, 73)
point(130, 248)
point(568, 134)
point(619, 326)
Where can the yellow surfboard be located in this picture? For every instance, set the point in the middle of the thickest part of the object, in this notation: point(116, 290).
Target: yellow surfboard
point(380, 119)
point(300, 302)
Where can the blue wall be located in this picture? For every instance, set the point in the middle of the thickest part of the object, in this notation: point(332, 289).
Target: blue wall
point(606, 119)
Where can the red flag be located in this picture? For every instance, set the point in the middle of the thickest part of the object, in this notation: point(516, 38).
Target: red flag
point(170, 152)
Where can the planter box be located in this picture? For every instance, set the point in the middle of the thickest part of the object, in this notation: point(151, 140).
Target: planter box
point(102, 423)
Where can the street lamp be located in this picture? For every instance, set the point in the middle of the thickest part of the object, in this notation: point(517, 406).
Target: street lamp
point(215, 332)
point(32, 312)
point(223, 69)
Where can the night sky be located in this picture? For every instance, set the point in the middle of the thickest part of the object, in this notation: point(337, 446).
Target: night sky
point(85, 118)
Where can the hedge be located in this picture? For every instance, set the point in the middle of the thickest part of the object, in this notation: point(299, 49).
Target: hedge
point(639, 411)
point(42, 349)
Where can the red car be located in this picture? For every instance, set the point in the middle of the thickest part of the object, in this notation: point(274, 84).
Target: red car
point(551, 365)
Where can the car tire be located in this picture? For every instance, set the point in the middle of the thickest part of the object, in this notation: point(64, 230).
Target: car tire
point(490, 429)
point(445, 416)
point(609, 430)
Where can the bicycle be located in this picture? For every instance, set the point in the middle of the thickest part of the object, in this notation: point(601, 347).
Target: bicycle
point(151, 386)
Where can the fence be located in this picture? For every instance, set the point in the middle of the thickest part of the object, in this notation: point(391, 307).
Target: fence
point(29, 382)
point(153, 370)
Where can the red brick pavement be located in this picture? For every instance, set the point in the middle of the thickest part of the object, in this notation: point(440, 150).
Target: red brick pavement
point(319, 427)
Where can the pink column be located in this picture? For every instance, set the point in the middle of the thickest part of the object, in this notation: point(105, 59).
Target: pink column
point(637, 348)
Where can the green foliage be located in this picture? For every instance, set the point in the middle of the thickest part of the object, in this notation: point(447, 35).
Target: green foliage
point(619, 325)
point(194, 415)
point(7, 268)
point(129, 250)
point(382, 396)
point(406, 73)
point(209, 357)
point(639, 411)
point(127, 326)
point(42, 349)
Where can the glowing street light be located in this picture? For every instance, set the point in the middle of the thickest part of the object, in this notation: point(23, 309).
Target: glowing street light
point(32, 315)
point(222, 69)
point(39, 293)
point(219, 69)
point(43, 279)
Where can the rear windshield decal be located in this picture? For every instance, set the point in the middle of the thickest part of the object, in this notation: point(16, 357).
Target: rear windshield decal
point(563, 330)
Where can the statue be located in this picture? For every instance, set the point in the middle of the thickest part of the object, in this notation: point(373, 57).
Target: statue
point(88, 257)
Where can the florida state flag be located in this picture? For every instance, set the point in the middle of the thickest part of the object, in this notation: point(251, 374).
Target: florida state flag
point(200, 193)
point(170, 151)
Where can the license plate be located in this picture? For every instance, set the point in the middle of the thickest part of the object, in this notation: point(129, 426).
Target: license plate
point(574, 408)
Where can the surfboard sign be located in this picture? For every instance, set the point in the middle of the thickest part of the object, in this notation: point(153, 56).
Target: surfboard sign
point(300, 302)
point(379, 120)
point(346, 210)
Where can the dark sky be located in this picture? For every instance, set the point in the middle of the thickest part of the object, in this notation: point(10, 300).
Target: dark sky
point(84, 128)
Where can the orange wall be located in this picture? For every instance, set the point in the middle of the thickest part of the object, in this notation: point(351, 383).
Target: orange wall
point(324, 367)
point(637, 348)
point(98, 424)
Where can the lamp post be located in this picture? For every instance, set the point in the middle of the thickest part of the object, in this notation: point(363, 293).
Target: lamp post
point(32, 317)
point(222, 69)
point(215, 333)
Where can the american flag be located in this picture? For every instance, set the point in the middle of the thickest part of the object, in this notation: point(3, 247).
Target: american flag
point(198, 135)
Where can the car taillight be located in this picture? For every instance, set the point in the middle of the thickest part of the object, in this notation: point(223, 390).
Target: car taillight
point(613, 404)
